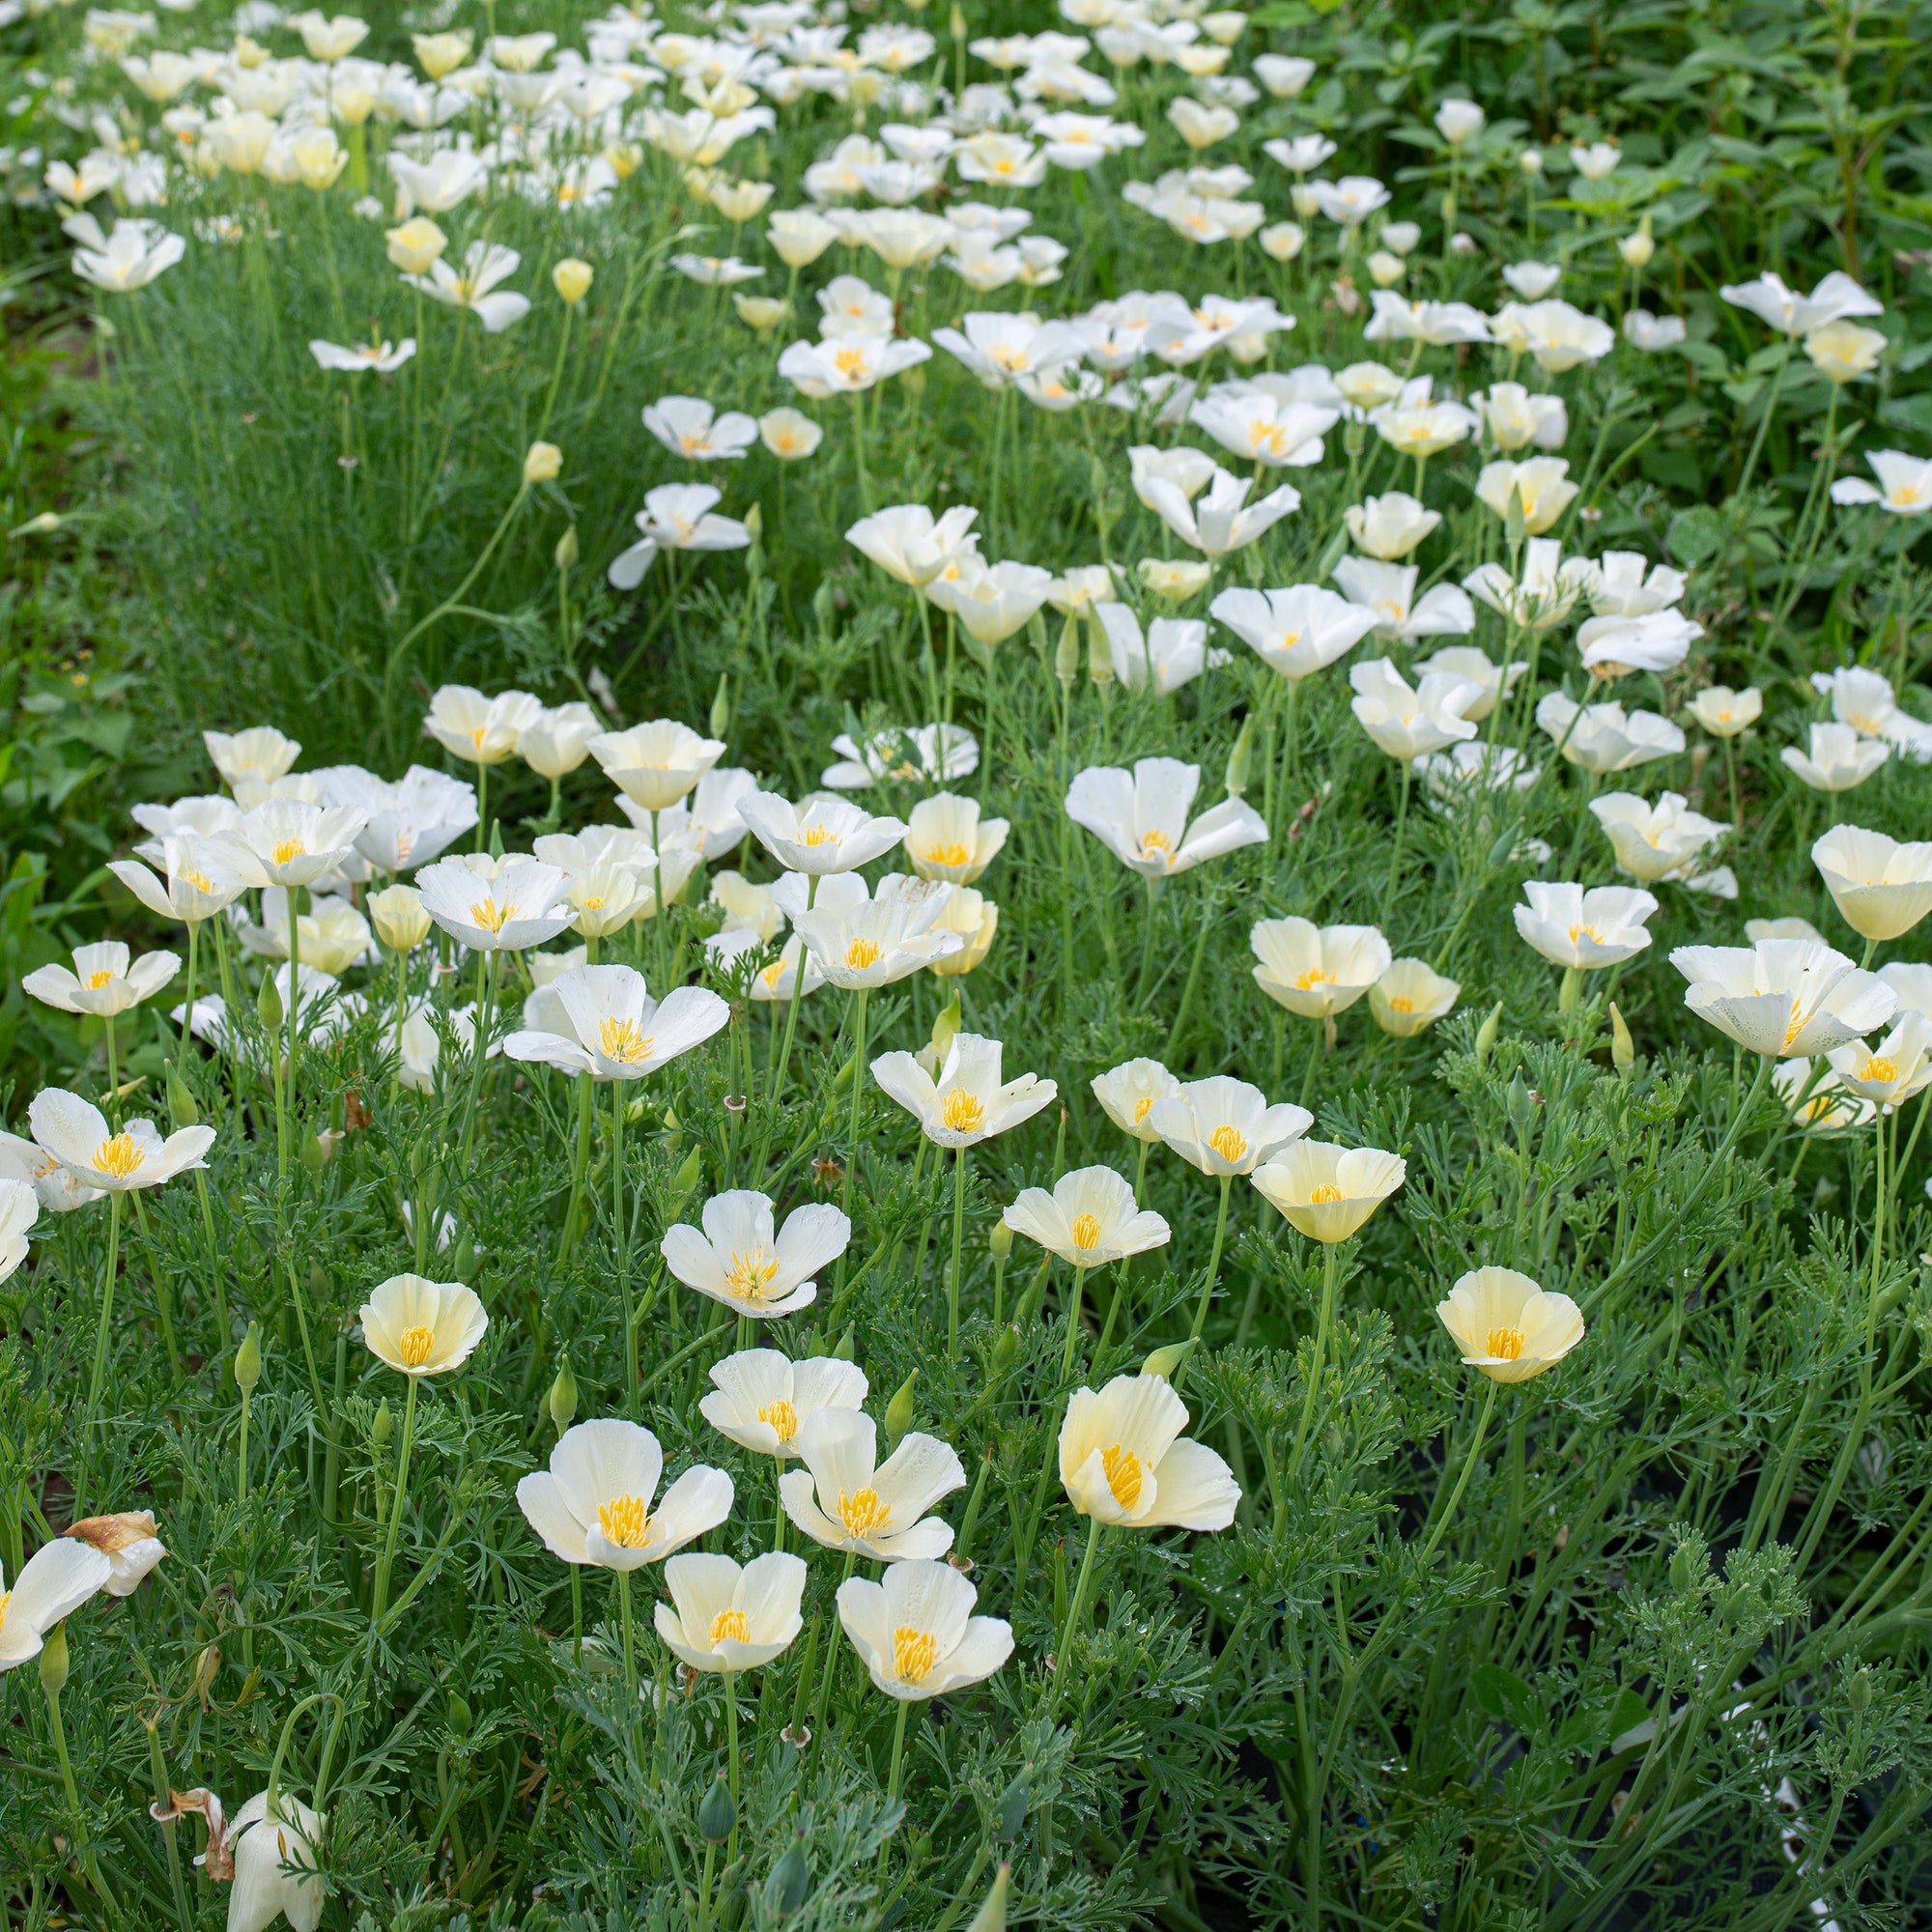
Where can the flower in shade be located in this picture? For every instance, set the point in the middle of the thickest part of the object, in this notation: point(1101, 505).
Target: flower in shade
point(522, 905)
point(1141, 816)
point(275, 1869)
point(602, 1021)
point(130, 1542)
point(1768, 298)
point(723, 1617)
point(422, 1327)
point(1317, 971)
point(1507, 1326)
point(655, 765)
point(916, 1632)
point(947, 838)
point(1544, 595)
point(1410, 997)
point(760, 1397)
point(477, 729)
point(1787, 998)
point(1326, 1192)
point(743, 1260)
point(54, 1582)
point(1124, 1459)
point(75, 1133)
point(408, 823)
point(968, 1102)
point(555, 742)
point(1656, 841)
point(1171, 652)
point(1904, 484)
point(1089, 1219)
point(1224, 1127)
point(976, 918)
point(1604, 738)
point(1297, 631)
point(106, 980)
point(1127, 1093)
point(593, 1504)
point(1838, 759)
point(902, 755)
point(822, 835)
point(1816, 1101)
point(1881, 889)
point(1584, 930)
point(57, 1188)
point(845, 1499)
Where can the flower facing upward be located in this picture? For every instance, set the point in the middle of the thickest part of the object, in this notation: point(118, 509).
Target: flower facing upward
point(593, 1504)
point(1317, 971)
point(54, 1582)
point(845, 1499)
point(1889, 1074)
point(1123, 1461)
point(522, 905)
point(860, 941)
point(742, 1260)
point(1224, 1127)
point(1141, 816)
point(721, 1617)
point(916, 1632)
point(602, 1021)
point(760, 1398)
point(260, 752)
point(1785, 998)
point(477, 729)
point(1604, 738)
point(1411, 997)
point(947, 838)
point(1326, 1192)
point(1881, 889)
point(130, 1542)
point(1656, 841)
point(1127, 1093)
point(1088, 1220)
point(1584, 930)
point(422, 1327)
point(821, 836)
point(106, 980)
point(288, 841)
point(1838, 759)
point(1507, 1326)
point(1388, 590)
point(75, 1133)
point(967, 1103)
point(1407, 721)
point(198, 881)
point(1724, 713)
point(1389, 527)
point(655, 765)
point(1294, 632)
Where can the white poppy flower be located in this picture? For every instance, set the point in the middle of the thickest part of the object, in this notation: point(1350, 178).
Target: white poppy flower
point(1658, 841)
point(1294, 632)
point(1406, 721)
point(1090, 1219)
point(1141, 816)
point(760, 1397)
point(689, 427)
point(1123, 1461)
point(947, 838)
point(723, 1617)
point(1604, 738)
point(1787, 998)
point(1882, 888)
point(1837, 758)
point(480, 730)
point(1792, 314)
point(1317, 971)
point(106, 980)
point(1388, 589)
point(822, 835)
point(75, 1133)
point(1127, 1093)
point(602, 1021)
point(1585, 930)
point(130, 1542)
point(966, 1102)
point(1507, 1326)
point(1224, 1127)
point(420, 1327)
point(916, 1632)
point(742, 1261)
point(523, 905)
point(593, 1504)
point(845, 1499)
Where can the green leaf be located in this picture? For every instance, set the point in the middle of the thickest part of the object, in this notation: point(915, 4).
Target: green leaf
point(1696, 534)
point(1503, 1694)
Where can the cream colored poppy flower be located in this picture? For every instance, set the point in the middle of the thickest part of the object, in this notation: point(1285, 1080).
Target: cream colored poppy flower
point(1508, 1327)
point(1317, 971)
point(54, 1582)
point(1225, 1126)
point(593, 1504)
point(845, 1499)
point(106, 979)
point(1325, 1191)
point(947, 838)
point(422, 1327)
point(76, 1134)
point(1127, 1093)
point(760, 1398)
point(1882, 888)
point(967, 1103)
point(725, 1617)
point(275, 1865)
point(741, 1260)
point(1090, 1219)
point(916, 1632)
point(1411, 997)
point(1123, 1460)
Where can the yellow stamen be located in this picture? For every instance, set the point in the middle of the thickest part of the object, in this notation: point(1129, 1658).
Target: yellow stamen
point(733, 1624)
point(287, 849)
point(1799, 1018)
point(1142, 1107)
point(1229, 1143)
point(1588, 932)
point(413, 1345)
point(97, 981)
point(489, 916)
point(1086, 1231)
point(817, 834)
point(1125, 1472)
point(914, 1653)
point(1505, 1344)
point(780, 1418)
point(1878, 1071)
point(119, 1156)
point(864, 1514)
point(1314, 976)
point(1155, 843)
point(751, 1273)
point(1327, 1191)
point(861, 954)
point(623, 1521)
point(961, 1113)
point(624, 1041)
point(1400, 1005)
point(200, 881)
point(947, 855)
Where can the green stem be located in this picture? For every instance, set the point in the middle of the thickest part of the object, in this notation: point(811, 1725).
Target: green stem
point(380, 1599)
point(99, 1373)
point(1462, 1475)
point(1330, 1270)
point(1213, 1274)
point(1077, 1608)
point(959, 1244)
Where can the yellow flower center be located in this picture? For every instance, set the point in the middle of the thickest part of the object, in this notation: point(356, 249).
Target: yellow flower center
point(1505, 1344)
point(861, 954)
point(415, 1345)
point(1879, 1070)
point(119, 1156)
point(1325, 1192)
point(489, 916)
point(947, 855)
point(733, 1624)
point(1086, 1231)
point(1589, 932)
point(5, 1597)
point(850, 364)
point(1229, 1143)
point(751, 1273)
point(780, 1418)
point(624, 1041)
point(623, 1521)
point(1314, 976)
point(1907, 492)
point(1125, 1472)
point(1155, 843)
point(1401, 1005)
point(864, 1514)
point(200, 881)
point(287, 849)
point(1799, 1018)
point(1142, 1107)
point(97, 981)
point(961, 1113)
point(817, 834)
point(914, 1653)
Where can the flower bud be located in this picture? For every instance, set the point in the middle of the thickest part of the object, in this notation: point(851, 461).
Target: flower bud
point(1066, 655)
point(248, 1362)
point(717, 1815)
point(1240, 758)
point(566, 551)
point(1683, 1571)
point(1164, 1361)
point(1623, 1049)
point(900, 1412)
point(1013, 1811)
point(1859, 1693)
point(1530, 160)
point(720, 720)
point(182, 1110)
point(542, 463)
point(318, 1149)
point(54, 1661)
point(460, 1719)
point(755, 522)
point(1005, 1350)
point(1637, 249)
point(789, 1883)
point(397, 914)
point(1000, 1240)
point(688, 1173)
point(268, 1005)
point(1485, 1036)
point(848, 1344)
point(571, 278)
point(564, 1397)
point(383, 1426)
point(1100, 660)
point(1515, 519)
point(991, 1917)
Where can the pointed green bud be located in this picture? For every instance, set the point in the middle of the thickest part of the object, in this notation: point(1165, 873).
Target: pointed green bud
point(1100, 659)
point(717, 1815)
point(1067, 654)
point(992, 1915)
point(848, 1344)
point(182, 1110)
point(248, 1362)
point(789, 1883)
point(1858, 1692)
point(1000, 1239)
point(1499, 852)
point(269, 1005)
point(945, 1028)
point(721, 706)
point(566, 549)
point(54, 1661)
point(1623, 1049)
point(1516, 525)
point(1005, 1350)
point(1013, 1802)
point(564, 1397)
point(691, 1171)
point(1240, 758)
point(1036, 632)
point(383, 1426)
point(495, 838)
point(755, 522)
point(1485, 1036)
point(460, 1719)
point(900, 1412)
point(1164, 1361)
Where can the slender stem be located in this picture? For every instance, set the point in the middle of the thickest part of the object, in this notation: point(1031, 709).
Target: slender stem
point(1462, 1475)
point(958, 1243)
point(580, 1167)
point(730, 1678)
point(188, 1016)
point(242, 1453)
point(292, 896)
point(629, 1644)
point(99, 1373)
point(1395, 847)
point(1076, 1610)
point(1330, 1270)
point(1213, 1274)
point(380, 1599)
point(621, 1234)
